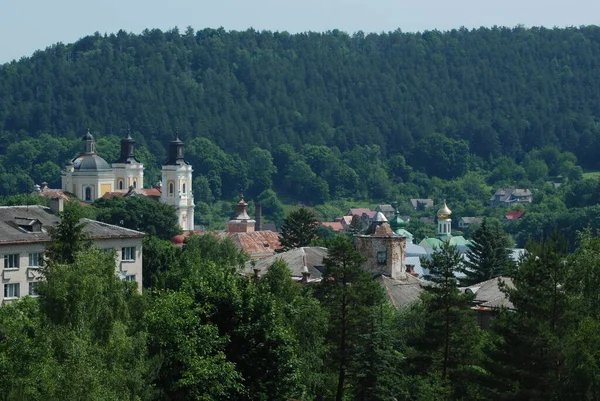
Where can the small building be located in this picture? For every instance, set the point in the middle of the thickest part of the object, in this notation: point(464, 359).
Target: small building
point(421, 204)
point(489, 299)
point(465, 222)
point(23, 239)
point(336, 226)
point(514, 215)
point(388, 211)
point(505, 197)
point(305, 263)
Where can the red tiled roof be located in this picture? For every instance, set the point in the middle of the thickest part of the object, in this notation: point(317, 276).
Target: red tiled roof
point(152, 192)
point(108, 195)
point(514, 214)
point(334, 225)
point(257, 244)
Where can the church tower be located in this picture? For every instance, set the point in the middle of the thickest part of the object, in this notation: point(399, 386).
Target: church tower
point(177, 185)
point(129, 172)
point(88, 176)
point(444, 227)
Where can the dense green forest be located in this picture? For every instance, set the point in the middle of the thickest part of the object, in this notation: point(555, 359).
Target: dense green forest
point(330, 120)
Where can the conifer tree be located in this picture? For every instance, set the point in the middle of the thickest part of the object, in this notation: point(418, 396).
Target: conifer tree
point(67, 236)
point(448, 351)
point(488, 255)
point(299, 229)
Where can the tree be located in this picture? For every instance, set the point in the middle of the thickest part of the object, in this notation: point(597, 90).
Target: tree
point(68, 237)
point(488, 255)
point(448, 350)
point(530, 360)
point(299, 229)
point(352, 300)
point(141, 214)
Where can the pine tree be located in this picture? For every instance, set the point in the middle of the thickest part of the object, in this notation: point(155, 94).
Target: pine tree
point(299, 229)
point(448, 350)
point(67, 236)
point(488, 255)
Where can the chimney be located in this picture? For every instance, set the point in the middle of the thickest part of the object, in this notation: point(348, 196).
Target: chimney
point(56, 205)
point(305, 275)
point(258, 217)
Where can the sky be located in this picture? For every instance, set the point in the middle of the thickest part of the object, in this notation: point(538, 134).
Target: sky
point(29, 25)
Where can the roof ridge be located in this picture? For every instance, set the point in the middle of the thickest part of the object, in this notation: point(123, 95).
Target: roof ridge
point(113, 225)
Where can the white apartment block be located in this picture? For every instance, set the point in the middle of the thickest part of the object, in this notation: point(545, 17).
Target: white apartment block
point(23, 238)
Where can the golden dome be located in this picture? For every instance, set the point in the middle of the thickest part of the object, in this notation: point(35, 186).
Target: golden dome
point(444, 212)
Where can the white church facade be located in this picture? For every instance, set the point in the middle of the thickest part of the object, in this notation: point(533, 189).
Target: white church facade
point(88, 176)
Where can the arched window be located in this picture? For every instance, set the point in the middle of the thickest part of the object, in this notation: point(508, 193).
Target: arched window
point(120, 184)
point(171, 189)
point(88, 194)
point(382, 255)
point(134, 184)
point(183, 188)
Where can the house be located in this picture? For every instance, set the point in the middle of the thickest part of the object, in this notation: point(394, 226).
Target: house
point(489, 298)
point(465, 222)
point(387, 210)
point(305, 264)
point(420, 204)
point(506, 197)
point(23, 239)
point(513, 215)
point(336, 226)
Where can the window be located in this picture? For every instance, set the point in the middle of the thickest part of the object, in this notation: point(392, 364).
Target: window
point(134, 184)
point(11, 290)
point(35, 259)
point(171, 189)
point(120, 184)
point(382, 256)
point(11, 261)
point(183, 189)
point(88, 194)
point(128, 253)
point(33, 288)
point(130, 277)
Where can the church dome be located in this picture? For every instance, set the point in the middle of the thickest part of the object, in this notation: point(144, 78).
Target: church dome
point(444, 212)
point(91, 162)
point(397, 223)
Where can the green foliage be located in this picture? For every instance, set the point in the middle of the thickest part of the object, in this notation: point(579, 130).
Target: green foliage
point(67, 236)
point(141, 214)
point(299, 228)
point(488, 255)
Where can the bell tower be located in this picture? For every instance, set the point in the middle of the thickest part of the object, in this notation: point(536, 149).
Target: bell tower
point(129, 172)
point(177, 185)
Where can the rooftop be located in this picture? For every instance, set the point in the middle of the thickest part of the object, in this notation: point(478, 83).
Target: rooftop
point(12, 231)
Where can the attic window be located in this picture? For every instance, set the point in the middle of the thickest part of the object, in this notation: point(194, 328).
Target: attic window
point(28, 224)
point(266, 244)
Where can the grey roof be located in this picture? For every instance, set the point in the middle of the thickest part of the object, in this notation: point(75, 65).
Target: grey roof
point(91, 162)
point(401, 293)
point(385, 208)
point(379, 217)
point(506, 194)
point(424, 202)
point(414, 250)
point(12, 216)
point(296, 259)
point(472, 220)
point(489, 295)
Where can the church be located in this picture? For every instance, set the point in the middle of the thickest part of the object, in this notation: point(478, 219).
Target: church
point(89, 177)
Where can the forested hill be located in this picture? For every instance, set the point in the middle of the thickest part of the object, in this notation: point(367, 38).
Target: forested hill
point(504, 91)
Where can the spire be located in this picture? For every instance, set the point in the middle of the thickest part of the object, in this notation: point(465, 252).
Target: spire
point(241, 211)
point(176, 152)
point(127, 149)
point(396, 223)
point(89, 146)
